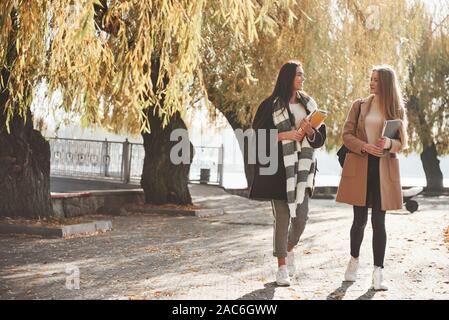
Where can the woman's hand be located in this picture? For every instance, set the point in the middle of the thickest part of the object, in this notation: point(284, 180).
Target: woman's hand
point(384, 143)
point(290, 135)
point(306, 127)
point(373, 149)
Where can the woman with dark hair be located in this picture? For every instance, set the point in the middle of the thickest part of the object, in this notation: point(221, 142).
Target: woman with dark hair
point(290, 187)
point(370, 176)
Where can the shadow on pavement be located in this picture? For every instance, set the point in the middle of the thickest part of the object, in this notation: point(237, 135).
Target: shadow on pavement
point(261, 294)
point(340, 292)
point(367, 295)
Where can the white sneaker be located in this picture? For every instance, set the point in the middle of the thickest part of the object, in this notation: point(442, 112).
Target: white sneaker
point(377, 280)
point(282, 277)
point(291, 263)
point(351, 270)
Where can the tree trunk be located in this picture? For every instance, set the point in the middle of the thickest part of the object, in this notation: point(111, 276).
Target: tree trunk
point(431, 166)
point(162, 180)
point(24, 153)
point(24, 170)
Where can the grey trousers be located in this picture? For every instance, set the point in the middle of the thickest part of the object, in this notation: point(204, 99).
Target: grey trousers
point(288, 230)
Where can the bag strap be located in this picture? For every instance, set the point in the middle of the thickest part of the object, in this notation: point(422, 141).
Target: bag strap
point(358, 116)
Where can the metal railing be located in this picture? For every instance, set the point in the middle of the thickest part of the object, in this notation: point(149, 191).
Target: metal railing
point(123, 161)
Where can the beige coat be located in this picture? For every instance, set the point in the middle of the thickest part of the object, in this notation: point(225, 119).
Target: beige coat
point(352, 188)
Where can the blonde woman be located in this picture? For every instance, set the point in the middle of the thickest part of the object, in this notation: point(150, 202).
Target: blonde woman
point(370, 176)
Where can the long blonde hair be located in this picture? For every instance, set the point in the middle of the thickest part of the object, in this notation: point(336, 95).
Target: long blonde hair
point(390, 98)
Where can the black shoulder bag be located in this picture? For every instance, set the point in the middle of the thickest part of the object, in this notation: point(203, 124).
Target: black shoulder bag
point(341, 153)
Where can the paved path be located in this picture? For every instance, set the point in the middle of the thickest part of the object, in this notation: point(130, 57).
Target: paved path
point(230, 256)
point(67, 184)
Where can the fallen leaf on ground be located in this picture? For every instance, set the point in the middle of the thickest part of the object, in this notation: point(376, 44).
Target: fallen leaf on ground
point(159, 294)
point(312, 250)
point(446, 237)
point(152, 250)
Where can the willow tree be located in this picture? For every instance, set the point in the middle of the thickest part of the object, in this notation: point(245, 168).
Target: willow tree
point(238, 75)
point(428, 99)
point(156, 48)
point(338, 43)
point(368, 33)
point(24, 153)
point(126, 65)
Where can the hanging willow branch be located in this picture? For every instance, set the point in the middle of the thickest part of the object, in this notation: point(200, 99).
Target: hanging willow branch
point(98, 54)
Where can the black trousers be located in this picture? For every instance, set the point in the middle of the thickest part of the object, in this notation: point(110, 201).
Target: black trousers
point(377, 217)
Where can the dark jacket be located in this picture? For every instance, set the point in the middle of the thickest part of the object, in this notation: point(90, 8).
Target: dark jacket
point(267, 187)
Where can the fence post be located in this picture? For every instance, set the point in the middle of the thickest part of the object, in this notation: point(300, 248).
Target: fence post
point(220, 165)
point(126, 162)
point(106, 157)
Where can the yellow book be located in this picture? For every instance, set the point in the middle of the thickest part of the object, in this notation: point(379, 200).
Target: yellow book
point(317, 117)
